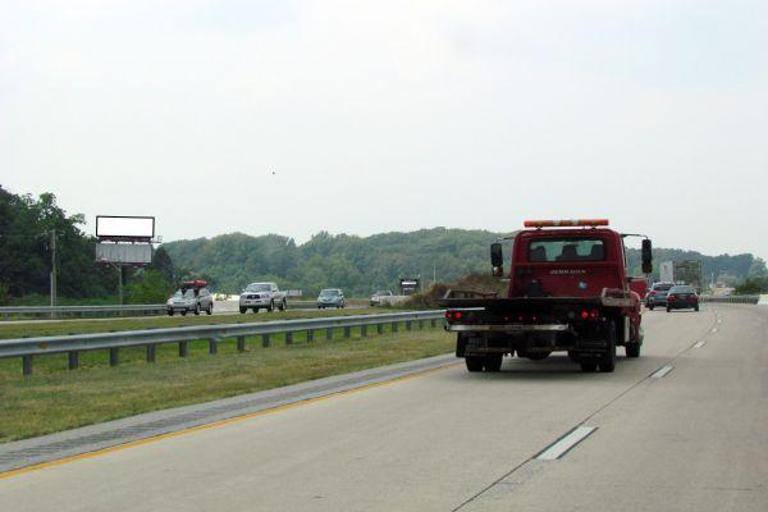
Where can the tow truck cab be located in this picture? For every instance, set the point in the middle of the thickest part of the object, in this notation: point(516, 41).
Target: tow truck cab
point(568, 291)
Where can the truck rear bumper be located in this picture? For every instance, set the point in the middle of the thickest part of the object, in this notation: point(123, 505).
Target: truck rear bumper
point(508, 328)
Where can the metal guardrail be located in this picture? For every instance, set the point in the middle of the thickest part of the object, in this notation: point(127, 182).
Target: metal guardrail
point(73, 344)
point(732, 299)
point(83, 311)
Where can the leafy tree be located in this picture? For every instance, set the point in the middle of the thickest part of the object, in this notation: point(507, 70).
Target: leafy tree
point(753, 286)
point(148, 287)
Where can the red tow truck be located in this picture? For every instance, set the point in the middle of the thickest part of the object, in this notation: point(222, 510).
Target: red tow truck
point(569, 291)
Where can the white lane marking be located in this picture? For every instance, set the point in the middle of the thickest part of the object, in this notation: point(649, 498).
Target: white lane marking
point(565, 443)
point(661, 372)
point(719, 320)
point(699, 344)
point(714, 330)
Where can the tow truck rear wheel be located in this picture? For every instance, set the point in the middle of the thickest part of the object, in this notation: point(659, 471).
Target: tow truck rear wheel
point(493, 362)
point(474, 363)
point(607, 363)
point(588, 366)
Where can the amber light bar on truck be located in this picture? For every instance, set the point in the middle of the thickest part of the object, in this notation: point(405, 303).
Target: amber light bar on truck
point(564, 223)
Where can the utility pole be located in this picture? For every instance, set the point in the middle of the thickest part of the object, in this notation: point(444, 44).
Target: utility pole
point(53, 267)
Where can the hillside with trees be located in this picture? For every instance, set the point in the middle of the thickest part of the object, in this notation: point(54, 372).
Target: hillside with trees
point(27, 225)
point(362, 264)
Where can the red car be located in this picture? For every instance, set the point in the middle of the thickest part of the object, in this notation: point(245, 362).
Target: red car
point(682, 297)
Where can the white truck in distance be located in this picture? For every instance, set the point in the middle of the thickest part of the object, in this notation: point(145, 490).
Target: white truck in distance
point(262, 296)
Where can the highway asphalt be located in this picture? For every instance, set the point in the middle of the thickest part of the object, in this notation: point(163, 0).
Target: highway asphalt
point(684, 427)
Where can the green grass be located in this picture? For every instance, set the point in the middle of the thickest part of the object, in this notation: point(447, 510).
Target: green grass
point(54, 328)
point(55, 399)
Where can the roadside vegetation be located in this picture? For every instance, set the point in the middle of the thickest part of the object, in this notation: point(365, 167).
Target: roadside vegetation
point(753, 286)
point(28, 227)
point(55, 398)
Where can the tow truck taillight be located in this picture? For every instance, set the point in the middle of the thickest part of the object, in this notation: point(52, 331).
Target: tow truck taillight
point(453, 316)
point(593, 314)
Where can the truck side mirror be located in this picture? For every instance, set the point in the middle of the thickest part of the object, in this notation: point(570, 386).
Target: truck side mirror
point(647, 256)
point(497, 260)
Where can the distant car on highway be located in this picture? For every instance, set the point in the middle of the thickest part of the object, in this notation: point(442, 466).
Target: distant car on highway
point(657, 296)
point(191, 296)
point(330, 298)
point(381, 297)
point(682, 297)
point(262, 296)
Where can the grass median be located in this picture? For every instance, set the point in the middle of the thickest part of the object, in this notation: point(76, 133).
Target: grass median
point(56, 328)
point(55, 399)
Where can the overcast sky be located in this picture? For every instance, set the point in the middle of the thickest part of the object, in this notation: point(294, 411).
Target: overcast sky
point(393, 115)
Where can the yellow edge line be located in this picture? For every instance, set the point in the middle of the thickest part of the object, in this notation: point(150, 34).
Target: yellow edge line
point(216, 424)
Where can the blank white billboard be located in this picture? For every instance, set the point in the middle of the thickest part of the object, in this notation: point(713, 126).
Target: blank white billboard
point(124, 227)
point(667, 272)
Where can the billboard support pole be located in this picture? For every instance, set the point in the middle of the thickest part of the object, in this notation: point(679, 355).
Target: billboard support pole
point(120, 283)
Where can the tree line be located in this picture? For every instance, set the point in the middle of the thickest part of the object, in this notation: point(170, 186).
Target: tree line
point(361, 265)
point(30, 226)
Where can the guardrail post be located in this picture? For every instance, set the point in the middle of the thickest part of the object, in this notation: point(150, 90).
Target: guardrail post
point(213, 346)
point(347, 332)
point(289, 338)
point(114, 356)
point(395, 327)
point(151, 353)
point(241, 343)
point(408, 325)
point(311, 335)
point(433, 323)
point(329, 333)
point(363, 331)
point(421, 324)
point(265, 340)
point(73, 357)
point(379, 328)
point(183, 348)
point(26, 365)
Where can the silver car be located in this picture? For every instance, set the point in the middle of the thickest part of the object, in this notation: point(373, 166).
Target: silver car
point(191, 299)
point(330, 298)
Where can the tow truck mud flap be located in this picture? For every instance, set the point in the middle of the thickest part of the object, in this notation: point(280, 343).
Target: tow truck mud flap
point(463, 340)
